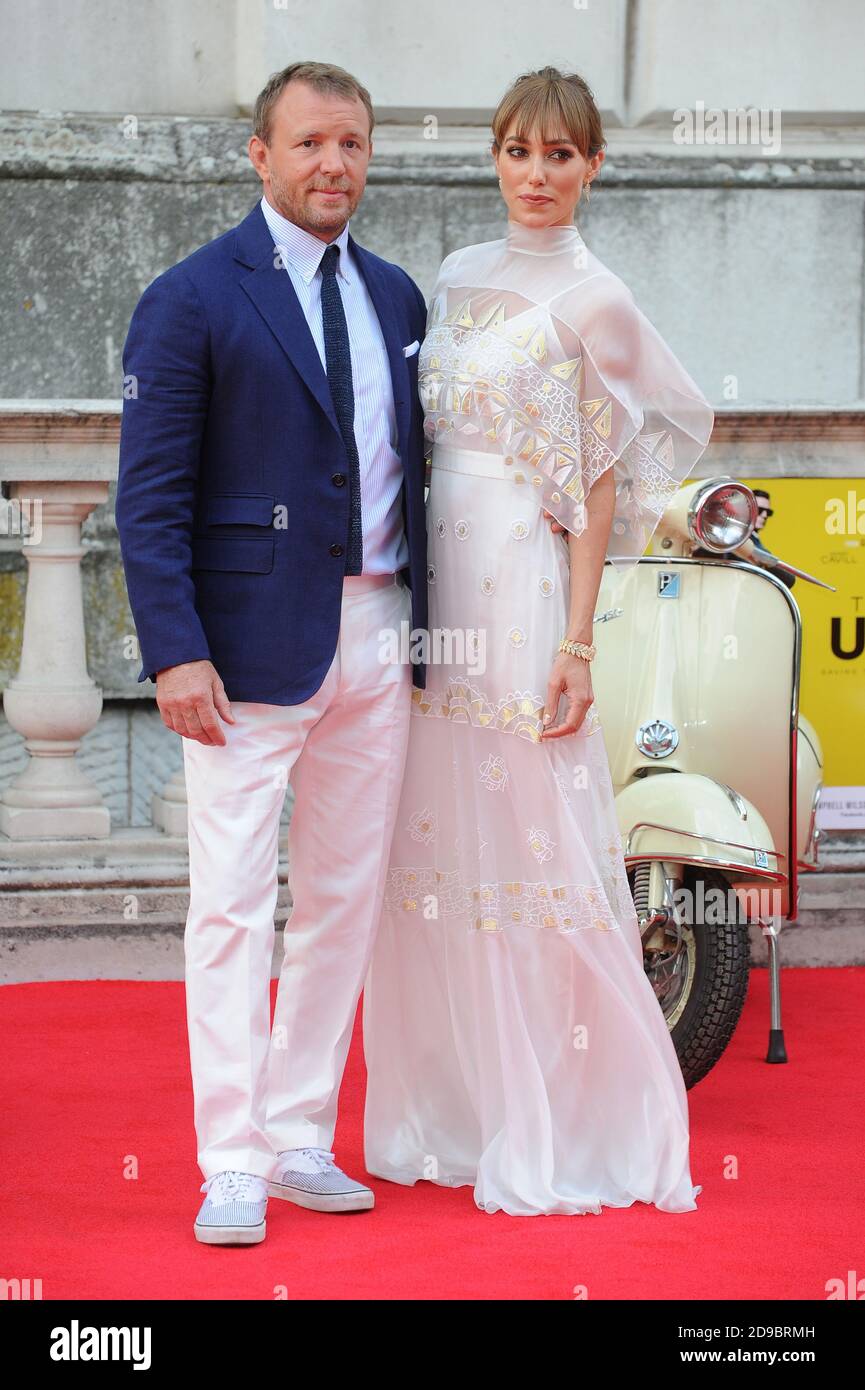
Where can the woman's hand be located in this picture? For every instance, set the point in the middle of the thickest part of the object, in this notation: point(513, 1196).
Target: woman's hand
point(572, 675)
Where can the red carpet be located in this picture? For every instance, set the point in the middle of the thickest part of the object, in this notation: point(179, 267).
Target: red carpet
point(95, 1076)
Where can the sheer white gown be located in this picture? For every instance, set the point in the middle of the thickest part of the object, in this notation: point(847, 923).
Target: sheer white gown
point(512, 1038)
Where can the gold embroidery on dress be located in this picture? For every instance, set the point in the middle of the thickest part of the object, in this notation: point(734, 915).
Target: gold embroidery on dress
point(568, 371)
point(541, 845)
point(461, 315)
point(494, 773)
point(512, 395)
point(423, 826)
point(519, 712)
point(494, 906)
point(493, 320)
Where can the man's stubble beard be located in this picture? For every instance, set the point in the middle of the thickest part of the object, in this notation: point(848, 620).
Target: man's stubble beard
point(303, 213)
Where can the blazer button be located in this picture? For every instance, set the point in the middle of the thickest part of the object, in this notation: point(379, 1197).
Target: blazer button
point(338, 480)
point(336, 549)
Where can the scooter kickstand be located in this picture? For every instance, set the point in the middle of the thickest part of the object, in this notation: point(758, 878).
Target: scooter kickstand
point(777, 1051)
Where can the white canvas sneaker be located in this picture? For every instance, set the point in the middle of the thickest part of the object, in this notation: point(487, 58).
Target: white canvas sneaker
point(233, 1210)
point(310, 1178)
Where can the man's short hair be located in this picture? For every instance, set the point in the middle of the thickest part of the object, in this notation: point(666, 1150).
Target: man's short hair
point(326, 78)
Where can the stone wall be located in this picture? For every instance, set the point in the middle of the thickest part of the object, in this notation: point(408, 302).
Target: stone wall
point(123, 133)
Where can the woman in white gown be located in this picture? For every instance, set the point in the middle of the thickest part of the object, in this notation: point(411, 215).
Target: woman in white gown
point(512, 1038)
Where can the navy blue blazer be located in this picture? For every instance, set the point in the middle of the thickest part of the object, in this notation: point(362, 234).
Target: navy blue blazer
point(232, 504)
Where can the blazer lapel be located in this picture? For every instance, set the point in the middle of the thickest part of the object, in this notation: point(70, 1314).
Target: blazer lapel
point(271, 291)
point(382, 299)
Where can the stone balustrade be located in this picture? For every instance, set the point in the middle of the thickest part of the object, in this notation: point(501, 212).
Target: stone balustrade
point(57, 459)
point(62, 861)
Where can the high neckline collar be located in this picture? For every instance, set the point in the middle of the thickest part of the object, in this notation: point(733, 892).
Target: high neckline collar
point(543, 241)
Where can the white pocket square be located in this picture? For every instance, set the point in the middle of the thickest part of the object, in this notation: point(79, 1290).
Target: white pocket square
point(411, 349)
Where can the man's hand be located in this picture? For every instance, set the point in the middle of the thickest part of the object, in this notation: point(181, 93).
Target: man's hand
point(570, 674)
point(190, 699)
point(555, 526)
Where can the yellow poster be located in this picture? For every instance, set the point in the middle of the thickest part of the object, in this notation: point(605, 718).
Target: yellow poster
point(818, 524)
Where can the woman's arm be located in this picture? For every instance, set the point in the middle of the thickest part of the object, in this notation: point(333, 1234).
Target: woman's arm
point(587, 553)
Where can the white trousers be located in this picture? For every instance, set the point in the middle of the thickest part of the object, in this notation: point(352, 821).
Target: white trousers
point(344, 749)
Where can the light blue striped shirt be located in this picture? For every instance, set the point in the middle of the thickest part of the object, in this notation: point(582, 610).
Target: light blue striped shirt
point(385, 547)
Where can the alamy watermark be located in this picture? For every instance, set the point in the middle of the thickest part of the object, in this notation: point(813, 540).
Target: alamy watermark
point(22, 517)
point(740, 125)
point(451, 646)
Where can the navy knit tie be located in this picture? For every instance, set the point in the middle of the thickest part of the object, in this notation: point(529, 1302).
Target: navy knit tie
point(338, 357)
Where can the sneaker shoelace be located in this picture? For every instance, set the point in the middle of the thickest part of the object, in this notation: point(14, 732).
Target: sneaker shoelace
point(323, 1157)
point(231, 1186)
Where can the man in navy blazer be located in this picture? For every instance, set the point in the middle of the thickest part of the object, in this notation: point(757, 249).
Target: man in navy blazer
point(231, 497)
point(270, 507)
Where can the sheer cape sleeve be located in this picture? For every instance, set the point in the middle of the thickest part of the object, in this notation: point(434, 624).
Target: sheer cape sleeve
point(546, 359)
point(638, 410)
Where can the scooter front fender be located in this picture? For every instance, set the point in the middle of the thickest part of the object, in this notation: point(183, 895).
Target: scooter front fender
point(691, 819)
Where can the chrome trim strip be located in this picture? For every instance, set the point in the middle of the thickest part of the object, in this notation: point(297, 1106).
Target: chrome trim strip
point(811, 839)
point(813, 749)
point(775, 876)
point(737, 800)
point(698, 835)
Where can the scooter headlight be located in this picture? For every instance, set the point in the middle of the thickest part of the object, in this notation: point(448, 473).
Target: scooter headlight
point(722, 515)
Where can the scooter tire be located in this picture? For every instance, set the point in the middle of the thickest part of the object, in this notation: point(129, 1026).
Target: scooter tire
point(717, 991)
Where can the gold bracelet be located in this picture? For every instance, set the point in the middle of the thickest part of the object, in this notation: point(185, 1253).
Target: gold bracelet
point(583, 649)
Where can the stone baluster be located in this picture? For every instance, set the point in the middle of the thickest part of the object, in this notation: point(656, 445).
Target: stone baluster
point(52, 701)
point(169, 808)
point(57, 459)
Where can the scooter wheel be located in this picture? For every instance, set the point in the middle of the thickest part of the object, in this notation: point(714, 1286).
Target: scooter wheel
point(702, 989)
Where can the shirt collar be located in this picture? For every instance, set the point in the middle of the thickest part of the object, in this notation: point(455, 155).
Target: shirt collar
point(303, 250)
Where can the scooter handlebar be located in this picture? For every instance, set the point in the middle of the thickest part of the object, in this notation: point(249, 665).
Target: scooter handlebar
point(748, 551)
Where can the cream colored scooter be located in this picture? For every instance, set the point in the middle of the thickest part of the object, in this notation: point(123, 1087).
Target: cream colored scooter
point(717, 774)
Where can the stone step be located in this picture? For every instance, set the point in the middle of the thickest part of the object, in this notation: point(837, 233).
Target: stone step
point(119, 906)
point(152, 949)
point(840, 849)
